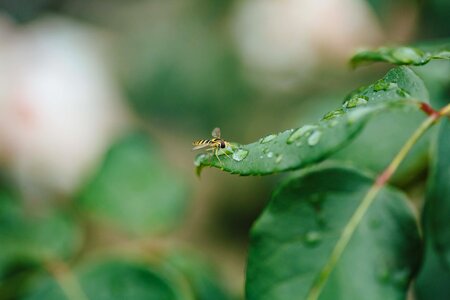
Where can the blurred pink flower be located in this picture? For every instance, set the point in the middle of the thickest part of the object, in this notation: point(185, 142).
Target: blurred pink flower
point(286, 39)
point(59, 104)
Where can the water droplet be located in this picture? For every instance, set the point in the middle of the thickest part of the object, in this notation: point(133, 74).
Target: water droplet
point(382, 272)
point(268, 138)
point(380, 85)
point(313, 238)
point(360, 113)
point(270, 154)
point(356, 101)
point(261, 156)
point(333, 114)
point(409, 55)
point(400, 277)
point(240, 154)
point(314, 138)
point(279, 158)
point(198, 160)
point(402, 93)
point(333, 123)
point(300, 132)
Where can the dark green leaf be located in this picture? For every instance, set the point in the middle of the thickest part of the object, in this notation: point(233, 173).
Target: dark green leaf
point(436, 76)
point(110, 280)
point(297, 148)
point(433, 280)
point(367, 152)
point(438, 194)
point(201, 277)
point(34, 238)
point(292, 240)
point(135, 189)
point(402, 55)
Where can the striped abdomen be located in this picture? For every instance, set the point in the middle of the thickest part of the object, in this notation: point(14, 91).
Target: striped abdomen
point(215, 142)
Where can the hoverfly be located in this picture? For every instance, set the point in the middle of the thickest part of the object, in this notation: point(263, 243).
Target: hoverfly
point(215, 144)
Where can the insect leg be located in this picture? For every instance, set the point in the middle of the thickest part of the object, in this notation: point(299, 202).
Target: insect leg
point(216, 151)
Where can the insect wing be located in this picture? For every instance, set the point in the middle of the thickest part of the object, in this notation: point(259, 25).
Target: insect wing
point(201, 146)
point(216, 132)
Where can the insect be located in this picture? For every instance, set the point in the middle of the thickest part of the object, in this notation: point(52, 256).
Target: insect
point(214, 144)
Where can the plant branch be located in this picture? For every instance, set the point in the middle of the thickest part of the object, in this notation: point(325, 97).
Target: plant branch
point(368, 199)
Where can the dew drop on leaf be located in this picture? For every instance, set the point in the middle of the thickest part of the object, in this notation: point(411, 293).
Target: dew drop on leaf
point(359, 113)
point(313, 238)
point(333, 114)
point(408, 55)
point(356, 101)
point(270, 154)
point(198, 160)
point(381, 85)
point(314, 138)
point(279, 158)
point(402, 93)
point(382, 273)
point(268, 138)
point(299, 133)
point(240, 154)
point(400, 277)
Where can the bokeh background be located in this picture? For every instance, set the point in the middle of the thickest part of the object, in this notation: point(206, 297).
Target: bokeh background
point(100, 102)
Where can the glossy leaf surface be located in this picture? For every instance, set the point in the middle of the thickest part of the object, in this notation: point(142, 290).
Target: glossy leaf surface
point(438, 194)
point(403, 55)
point(300, 147)
point(292, 240)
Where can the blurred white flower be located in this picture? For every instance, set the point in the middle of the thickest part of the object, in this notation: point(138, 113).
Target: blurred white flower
point(289, 38)
point(59, 104)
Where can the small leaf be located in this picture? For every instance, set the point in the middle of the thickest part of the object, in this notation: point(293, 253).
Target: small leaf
point(134, 189)
point(297, 148)
point(292, 240)
point(402, 55)
point(438, 194)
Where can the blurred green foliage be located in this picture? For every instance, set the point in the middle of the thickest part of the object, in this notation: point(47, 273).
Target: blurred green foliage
point(182, 75)
point(134, 189)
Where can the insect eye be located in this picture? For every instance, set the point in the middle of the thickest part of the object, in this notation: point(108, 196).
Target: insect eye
point(222, 144)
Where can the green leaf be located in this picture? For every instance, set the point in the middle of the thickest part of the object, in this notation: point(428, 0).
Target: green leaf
point(135, 189)
point(403, 55)
point(297, 148)
point(34, 238)
point(202, 279)
point(436, 76)
point(109, 280)
point(367, 152)
point(432, 282)
point(438, 194)
point(292, 240)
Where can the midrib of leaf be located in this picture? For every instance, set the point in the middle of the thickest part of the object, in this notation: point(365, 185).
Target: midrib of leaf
point(350, 227)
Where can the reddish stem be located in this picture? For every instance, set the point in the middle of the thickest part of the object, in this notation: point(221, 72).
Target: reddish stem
point(383, 177)
point(425, 107)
